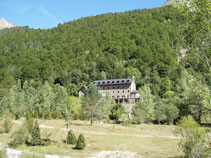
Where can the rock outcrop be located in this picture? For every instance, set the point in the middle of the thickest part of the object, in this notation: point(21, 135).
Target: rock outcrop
point(4, 24)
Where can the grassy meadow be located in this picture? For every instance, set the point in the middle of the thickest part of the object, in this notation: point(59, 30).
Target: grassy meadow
point(140, 140)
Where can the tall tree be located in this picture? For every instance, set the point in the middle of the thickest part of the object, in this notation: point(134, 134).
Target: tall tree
point(197, 96)
point(91, 103)
point(143, 111)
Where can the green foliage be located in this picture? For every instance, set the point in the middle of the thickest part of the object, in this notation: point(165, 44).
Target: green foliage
point(116, 112)
point(30, 125)
point(170, 110)
point(194, 142)
point(196, 97)
point(36, 139)
point(144, 110)
point(137, 43)
point(7, 124)
point(81, 143)
point(20, 136)
point(91, 103)
point(71, 138)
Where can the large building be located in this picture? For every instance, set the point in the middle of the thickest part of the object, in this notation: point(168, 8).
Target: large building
point(122, 90)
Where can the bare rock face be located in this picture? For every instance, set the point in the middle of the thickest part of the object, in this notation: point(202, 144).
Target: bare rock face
point(4, 24)
point(169, 2)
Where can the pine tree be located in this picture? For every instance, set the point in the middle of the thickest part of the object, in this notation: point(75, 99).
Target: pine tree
point(81, 144)
point(36, 140)
point(71, 139)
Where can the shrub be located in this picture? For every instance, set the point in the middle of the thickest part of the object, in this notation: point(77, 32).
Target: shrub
point(193, 142)
point(71, 139)
point(7, 125)
point(20, 136)
point(116, 112)
point(30, 125)
point(36, 140)
point(81, 144)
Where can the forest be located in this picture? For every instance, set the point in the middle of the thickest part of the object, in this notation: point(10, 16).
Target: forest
point(167, 49)
point(159, 46)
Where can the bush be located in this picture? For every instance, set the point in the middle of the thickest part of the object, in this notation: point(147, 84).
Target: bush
point(30, 125)
point(81, 144)
point(116, 112)
point(7, 125)
point(20, 136)
point(36, 140)
point(194, 142)
point(71, 139)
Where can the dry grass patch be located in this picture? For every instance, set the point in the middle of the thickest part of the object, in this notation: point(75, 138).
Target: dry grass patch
point(107, 137)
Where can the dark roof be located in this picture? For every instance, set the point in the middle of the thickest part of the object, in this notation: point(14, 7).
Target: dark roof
point(114, 81)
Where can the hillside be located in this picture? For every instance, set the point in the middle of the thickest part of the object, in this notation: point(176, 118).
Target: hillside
point(144, 43)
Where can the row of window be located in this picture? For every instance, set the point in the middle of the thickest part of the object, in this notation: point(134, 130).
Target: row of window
point(113, 87)
point(115, 81)
point(119, 91)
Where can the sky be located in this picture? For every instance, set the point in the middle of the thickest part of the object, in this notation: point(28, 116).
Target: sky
point(46, 14)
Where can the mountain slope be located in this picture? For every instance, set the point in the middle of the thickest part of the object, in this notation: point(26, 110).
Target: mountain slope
point(144, 43)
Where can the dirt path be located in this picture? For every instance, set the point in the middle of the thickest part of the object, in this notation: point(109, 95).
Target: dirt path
point(116, 134)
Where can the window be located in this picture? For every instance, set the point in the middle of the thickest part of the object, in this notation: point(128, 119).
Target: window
point(113, 88)
point(123, 81)
point(103, 82)
point(108, 87)
point(98, 82)
point(128, 90)
point(113, 91)
point(118, 91)
point(128, 80)
point(113, 81)
point(118, 87)
point(117, 81)
point(108, 82)
point(123, 91)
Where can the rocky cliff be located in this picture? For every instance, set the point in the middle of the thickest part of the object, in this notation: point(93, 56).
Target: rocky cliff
point(4, 24)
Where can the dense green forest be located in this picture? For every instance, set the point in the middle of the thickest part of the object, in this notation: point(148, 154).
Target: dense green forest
point(155, 45)
point(144, 43)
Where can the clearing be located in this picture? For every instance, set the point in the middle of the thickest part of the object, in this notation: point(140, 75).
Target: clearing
point(105, 140)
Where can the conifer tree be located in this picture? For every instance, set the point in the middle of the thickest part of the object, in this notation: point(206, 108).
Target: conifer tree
point(36, 140)
point(71, 139)
point(81, 143)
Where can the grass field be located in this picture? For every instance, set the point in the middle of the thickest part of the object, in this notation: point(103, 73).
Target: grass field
point(106, 140)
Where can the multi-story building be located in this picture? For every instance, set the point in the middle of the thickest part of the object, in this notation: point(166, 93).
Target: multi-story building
point(122, 90)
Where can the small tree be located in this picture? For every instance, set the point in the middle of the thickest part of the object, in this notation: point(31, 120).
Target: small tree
point(194, 142)
point(7, 125)
point(116, 112)
point(143, 111)
point(81, 144)
point(71, 138)
point(91, 103)
point(20, 136)
point(36, 140)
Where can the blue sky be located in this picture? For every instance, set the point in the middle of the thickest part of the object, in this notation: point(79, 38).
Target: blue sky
point(48, 13)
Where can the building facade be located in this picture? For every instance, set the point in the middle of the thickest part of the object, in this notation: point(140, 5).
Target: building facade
point(122, 90)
